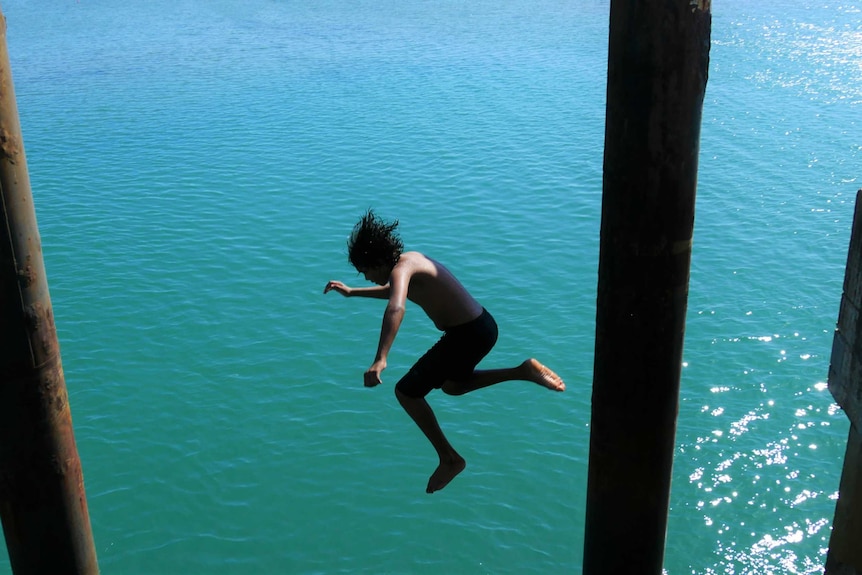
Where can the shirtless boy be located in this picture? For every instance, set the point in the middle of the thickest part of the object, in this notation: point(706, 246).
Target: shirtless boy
point(469, 332)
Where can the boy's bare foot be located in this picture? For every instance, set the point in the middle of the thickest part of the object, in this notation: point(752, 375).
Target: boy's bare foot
point(544, 376)
point(445, 472)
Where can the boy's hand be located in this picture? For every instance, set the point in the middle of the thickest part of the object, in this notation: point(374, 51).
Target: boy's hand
point(372, 376)
point(337, 286)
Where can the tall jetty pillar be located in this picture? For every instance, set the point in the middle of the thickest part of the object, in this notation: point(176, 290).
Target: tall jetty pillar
point(42, 504)
point(657, 73)
point(845, 383)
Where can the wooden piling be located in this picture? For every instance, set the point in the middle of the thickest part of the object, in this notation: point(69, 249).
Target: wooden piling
point(657, 72)
point(42, 503)
point(845, 383)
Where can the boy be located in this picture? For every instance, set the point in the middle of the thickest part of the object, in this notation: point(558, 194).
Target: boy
point(469, 332)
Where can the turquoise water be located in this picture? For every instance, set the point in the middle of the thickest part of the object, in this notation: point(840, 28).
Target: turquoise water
point(197, 167)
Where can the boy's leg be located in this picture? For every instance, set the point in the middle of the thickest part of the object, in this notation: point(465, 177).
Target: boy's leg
point(529, 370)
point(451, 464)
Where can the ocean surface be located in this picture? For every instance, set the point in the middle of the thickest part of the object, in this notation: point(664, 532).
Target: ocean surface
point(197, 167)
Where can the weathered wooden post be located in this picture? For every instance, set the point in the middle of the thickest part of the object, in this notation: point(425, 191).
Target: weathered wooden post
point(42, 502)
point(657, 72)
point(845, 383)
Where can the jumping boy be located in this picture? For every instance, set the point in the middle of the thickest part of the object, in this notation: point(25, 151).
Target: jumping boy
point(469, 332)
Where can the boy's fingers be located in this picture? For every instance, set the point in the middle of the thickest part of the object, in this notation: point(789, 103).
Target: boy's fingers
point(372, 379)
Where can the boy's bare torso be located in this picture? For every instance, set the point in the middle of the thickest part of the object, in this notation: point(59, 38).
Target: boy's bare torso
point(433, 288)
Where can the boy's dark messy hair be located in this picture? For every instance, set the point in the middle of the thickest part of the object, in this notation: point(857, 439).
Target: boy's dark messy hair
point(373, 243)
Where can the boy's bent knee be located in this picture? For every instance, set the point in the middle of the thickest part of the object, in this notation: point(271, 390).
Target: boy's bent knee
point(403, 390)
point(399, 393)
point(415, 384)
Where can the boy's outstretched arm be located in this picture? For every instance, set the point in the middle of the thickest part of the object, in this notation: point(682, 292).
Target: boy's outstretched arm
point(392, 317)
point(377, 292)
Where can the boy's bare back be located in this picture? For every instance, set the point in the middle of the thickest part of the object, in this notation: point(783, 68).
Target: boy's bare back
point(433, 287)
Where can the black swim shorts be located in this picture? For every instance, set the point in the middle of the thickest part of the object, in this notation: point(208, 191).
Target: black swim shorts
point(453, 357)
